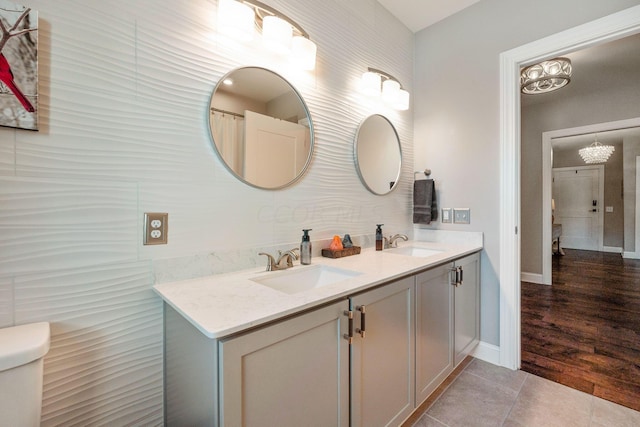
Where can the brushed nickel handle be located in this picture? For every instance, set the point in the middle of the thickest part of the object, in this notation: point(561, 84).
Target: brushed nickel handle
point(349, 336)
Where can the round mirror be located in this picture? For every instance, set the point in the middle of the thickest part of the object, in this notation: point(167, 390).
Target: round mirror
point(378, 154)
point(261, 128)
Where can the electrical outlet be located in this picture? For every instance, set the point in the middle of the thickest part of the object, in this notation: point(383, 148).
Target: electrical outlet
point(461, 215)
point(446, 215)
point(156, 227)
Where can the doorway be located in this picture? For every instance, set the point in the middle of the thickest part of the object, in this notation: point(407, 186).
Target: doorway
point(606, 29)
point(578, 193)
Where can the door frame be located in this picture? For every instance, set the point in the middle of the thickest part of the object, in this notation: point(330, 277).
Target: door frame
point(547, 165)
point(608, 28)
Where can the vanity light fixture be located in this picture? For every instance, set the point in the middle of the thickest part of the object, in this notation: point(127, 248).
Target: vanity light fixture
point(545, 76)
point(240, 18)
point(378, 83)
point(596, 152)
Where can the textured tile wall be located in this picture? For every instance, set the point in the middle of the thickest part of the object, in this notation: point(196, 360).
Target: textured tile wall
point(124, 91)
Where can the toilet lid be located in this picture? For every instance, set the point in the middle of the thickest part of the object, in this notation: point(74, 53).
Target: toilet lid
point(23, 344)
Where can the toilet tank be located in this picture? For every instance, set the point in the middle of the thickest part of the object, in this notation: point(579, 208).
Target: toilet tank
point(22, 349)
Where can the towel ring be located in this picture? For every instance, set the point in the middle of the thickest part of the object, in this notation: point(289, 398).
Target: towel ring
point(426, 172)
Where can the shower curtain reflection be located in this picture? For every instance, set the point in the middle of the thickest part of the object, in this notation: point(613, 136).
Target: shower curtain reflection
point(228, 135)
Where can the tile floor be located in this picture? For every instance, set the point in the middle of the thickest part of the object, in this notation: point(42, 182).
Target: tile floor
point(487, 395)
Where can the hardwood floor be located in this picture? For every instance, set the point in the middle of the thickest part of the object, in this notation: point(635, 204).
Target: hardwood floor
point(584, 330)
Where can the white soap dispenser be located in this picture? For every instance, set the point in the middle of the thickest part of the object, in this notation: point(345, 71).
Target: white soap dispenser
point(305, 248)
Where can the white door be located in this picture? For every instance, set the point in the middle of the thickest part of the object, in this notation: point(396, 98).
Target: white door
point(578, 193)
point(275, 150)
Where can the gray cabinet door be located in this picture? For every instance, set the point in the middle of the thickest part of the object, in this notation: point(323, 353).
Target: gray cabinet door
point(467, 308)
point(382, 364)
point(293, 373)
point(434, 329)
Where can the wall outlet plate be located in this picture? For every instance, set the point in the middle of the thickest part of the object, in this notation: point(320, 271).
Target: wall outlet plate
point(156, 227)
point(461, 215)
point(446, 215)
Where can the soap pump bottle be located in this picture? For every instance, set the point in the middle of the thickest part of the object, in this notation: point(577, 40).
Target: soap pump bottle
point(305, 248)
point(379, 237)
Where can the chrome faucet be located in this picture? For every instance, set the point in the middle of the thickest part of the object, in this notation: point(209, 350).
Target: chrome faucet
point(392, 242)
point(284, 261)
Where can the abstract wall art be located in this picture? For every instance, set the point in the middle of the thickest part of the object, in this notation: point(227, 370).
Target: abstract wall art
point(18, 66)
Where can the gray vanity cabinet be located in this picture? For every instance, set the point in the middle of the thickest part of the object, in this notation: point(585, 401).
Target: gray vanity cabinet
point(434, 329)
point(292, 373)
point(382, 357)
point(447, 320)
point(467, 307)
point(406, 337)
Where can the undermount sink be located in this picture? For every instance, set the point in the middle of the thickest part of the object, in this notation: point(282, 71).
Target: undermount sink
point(299, 280)
point(414, 251)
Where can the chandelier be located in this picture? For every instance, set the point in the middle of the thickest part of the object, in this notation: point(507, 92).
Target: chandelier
point(596, 152)
point(546, 76)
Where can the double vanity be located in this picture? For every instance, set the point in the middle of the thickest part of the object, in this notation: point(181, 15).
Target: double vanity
point(360, 340)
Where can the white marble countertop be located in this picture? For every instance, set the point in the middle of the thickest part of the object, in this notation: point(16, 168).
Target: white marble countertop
point(224, 304)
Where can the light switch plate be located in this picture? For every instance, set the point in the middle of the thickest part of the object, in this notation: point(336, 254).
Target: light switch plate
point(609, 209)
point(461, 215)
point(446, 215)
point(156, 227)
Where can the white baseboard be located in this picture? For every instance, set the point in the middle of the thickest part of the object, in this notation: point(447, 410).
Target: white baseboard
point(631, 255)
point(487, 352)
point(612, 249)
point(531, 278)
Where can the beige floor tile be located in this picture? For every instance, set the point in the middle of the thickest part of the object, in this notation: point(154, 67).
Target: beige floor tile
point(545, 403)
point(609, 414)
point(473, 401)
point(427, 421)
point(499, 375)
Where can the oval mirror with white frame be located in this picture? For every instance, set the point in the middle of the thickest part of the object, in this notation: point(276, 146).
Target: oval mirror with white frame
point(378, 154)
point(261, 128)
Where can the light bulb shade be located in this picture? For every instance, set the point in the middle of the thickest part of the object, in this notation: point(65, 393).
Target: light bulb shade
point(546, 76)
point(277, 34)
point(390, 91)
point(236, 20)
point(304, 51)
point(596, 153)
point(370, 83)
point(402, 102)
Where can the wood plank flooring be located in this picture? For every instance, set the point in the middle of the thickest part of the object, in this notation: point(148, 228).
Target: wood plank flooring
point(584, 330)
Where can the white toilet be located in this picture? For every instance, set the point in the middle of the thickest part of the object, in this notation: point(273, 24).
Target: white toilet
point(22, 349)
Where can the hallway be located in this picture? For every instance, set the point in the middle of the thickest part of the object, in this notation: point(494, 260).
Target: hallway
point(584, 330)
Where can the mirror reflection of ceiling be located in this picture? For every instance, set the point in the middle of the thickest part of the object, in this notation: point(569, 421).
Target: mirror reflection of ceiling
point(594, 67)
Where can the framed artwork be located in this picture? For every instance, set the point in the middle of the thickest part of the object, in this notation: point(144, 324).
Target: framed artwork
point(18, 66)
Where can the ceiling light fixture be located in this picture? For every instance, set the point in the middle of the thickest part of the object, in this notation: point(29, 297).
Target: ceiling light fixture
point(378, 83)
point(546, 76)
point(239, 19)
point(596, 152)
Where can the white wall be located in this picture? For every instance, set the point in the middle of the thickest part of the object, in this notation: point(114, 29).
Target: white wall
point(457, 106)
point(124, 94)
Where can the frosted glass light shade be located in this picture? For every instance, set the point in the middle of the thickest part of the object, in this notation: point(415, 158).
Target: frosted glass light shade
point(236, 20)
point(390, 91)
point(402, 101)
point(277, 34)
point(370, 83)
point(304, 51)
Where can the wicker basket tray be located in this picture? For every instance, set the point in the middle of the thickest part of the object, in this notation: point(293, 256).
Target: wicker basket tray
point(355, 250)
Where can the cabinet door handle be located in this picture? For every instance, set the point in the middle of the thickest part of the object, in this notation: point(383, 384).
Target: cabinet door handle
point(461, 275)
point(454, 276)
point(349, 336)
point(361, 329)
